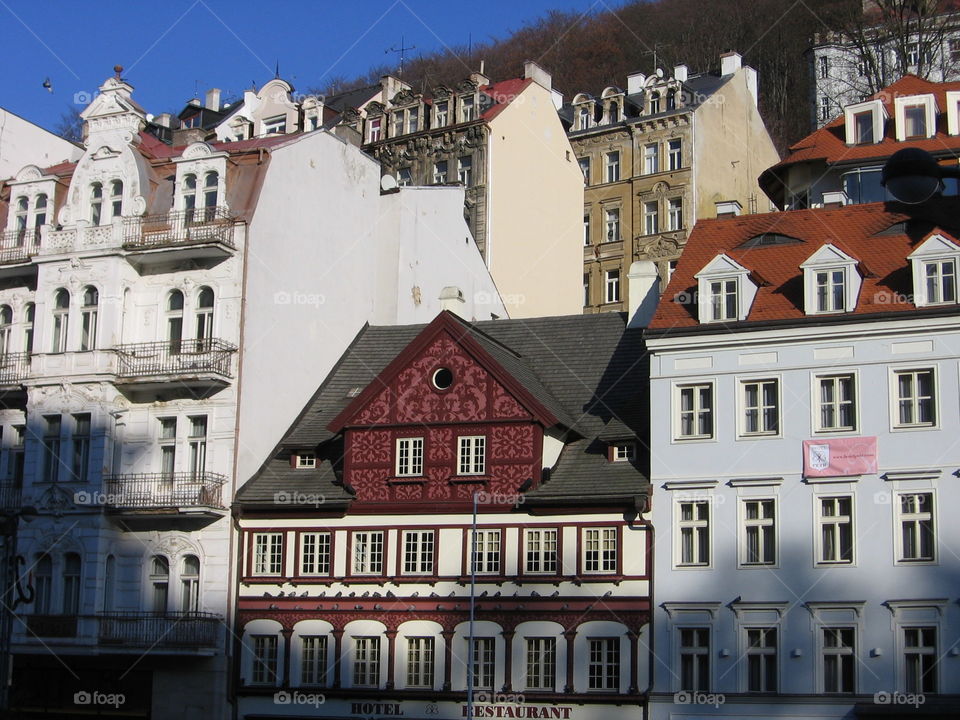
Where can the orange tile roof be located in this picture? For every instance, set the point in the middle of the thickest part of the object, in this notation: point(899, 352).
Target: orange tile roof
point(503, 93)
point(857, 230)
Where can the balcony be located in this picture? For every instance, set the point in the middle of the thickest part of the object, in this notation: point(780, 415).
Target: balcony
point(125, 632)
point(198, 365)
point(11, 498)
point(201, 233)
point(82, 237)
point(149, 494)
point(16, 248)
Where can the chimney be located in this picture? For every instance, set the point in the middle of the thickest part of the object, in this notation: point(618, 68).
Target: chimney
point(635, 83)
point(348, 133)
point(730, 62)
point(164, 120)
point(212, 100)
point(534, 72)
point(186, 136)
point(728, 208)
point(835, 199)
point(680, 73)
point(451, 298)
point(643, 293)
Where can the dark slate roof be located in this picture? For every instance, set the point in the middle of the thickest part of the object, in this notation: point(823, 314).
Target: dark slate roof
point(587, 369)
point(279, 484)
point(351, 98)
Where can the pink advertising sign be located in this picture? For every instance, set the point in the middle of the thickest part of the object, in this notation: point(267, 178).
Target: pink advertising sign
point(840, 457)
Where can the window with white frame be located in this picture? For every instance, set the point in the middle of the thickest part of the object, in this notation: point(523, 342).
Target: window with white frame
point(916, 540)
point(51, 448)
point(694, 408)
point(762, 659)
point(612, 224)
point(915, 121)
point(863, 124)
point(586, 228)
point(836, 403)
point(830, 288)
point(420, 654)
point(920, 659)
point(61, 320)
point(313, 660)
point(471, 455)
point(611, 286)
point(584, 163)
point(190, 584)
point(654, 103)
point(586, 289)
point(599, 550)
point(267, 553)
point(465, 171)
point(167, 441)
point(484, 662)
point(197, 442)
point(20, 219)
point(838, 659)
point(612, 166)
point(204, 319)
point(486, 551)
point(675, 214)
point(940, 278)
point(442, 112)
point(88, 318)
point(409, 457)
point(723, 299)
point(96, 203)
point(761, 407)
point(651, 218)
point(29, 317)
point(693, 527)
point(603, 664)
point(823, 66)
point(367, 552)
point(264, 670)
point(835, 530)
point(306, 460)
point(694, 650)
point(759, 532)
point(404, 177)
point(81, 447)
point(651, 159)
point(916, 398)
point(116, 198)
point(540, 550)
point(315, 553)
point(824, 107)
point(675, 154)
point(275, 125)
point(541, 663)
point(366, 661)
point(440, 172)
point(467, 108)
point(624, 452)
point(374, 129)
point(418, 552)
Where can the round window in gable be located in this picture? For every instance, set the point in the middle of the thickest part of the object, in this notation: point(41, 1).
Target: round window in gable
point(442, 378)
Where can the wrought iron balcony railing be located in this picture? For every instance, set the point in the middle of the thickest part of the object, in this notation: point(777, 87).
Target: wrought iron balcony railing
point(14, 367)
point(164, 491)
point(159, 630)
point(11, 497)
point(184, 227)
point(16, 246)
point(174, 357)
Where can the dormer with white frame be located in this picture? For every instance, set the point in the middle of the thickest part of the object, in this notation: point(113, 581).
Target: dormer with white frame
point(864, 122)
point(201, 181)
point(953, 103)
point(725, 292)
point(831, 282)
point(934, 266)
point(915, 116)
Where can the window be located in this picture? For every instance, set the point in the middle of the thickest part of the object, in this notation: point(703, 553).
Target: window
point(941, 281)
point(175, 321)
point(204, 319)
point(61, 318)
point(306, 460)
point(81, 446)
point(920, 659)
point(613, 225)
point(404, 177)
point(366, 662)
point(471, 455)
point(51, 448)
point(838, 659)
point(651, 218)
point(600, 550)
point(671, 99)
point(541, 550)
point(541, 663)
point(624, 452)
point(675, 214)
point(42, 585)
point(39, 215)
point(611, 286)
point(275, 125)
point(189, 193)
point(198, 446)
point(586, 289)
point(168, 446)
point(418, 552)
point(420, 662)
point(484, 662)
point(465, 171)
point(584, 115)
point(409, 457)
point(109, 582)
point(190, 584)
point(88, 318)
point(761, 413)
point(675, 154)
point(723, 299)
point(29, 315)
point(654, 103)
point(6, 325)
point(823, 66)
point(467, 107)
point(863, 127)
point(695, 659)
point(313, 660)
point(267, 553)
point(695, 412)
point(211, 191)
point(651, 163)
point(824, 108)
point(440, 172)
point(20, 221)
point(315, 553)
point(837, 403)
point(694, 526)
point(443, 111)
point(374, 129)
point(586, 229)
point(116, 199)
point(398, 123)
point(613, 112)
point(916, 405)
point(486, 552)
point(915, 121)
point(584, 163)
point(264, 660)
point(603, 671)
point(830, 287)
point(96, 203)
point(612, 166)
point(917, 541)
point(15, 469)
point(71, 584)
point(835, 520)
point(368, 552)
point(759, 528)
point(160, 582)
point(762, 660)
point(913, 54)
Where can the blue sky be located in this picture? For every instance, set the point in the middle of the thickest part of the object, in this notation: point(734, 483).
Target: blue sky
point(171, 48)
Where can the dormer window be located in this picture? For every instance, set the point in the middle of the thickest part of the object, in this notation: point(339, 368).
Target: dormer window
point(374, 129)
point(671, 100)
point(941, 281)
point(723, 299)
point(953, 105)
point(623, 452)
point(831, 282)
point(275, 125)
point(584, 115)
point(306, 460)
point(863, 122)
point(467, 108)
point(725, 291)
point(831, 289)
point(442, 113)
point(916, 116)
point(654, 103)
point(934, 265)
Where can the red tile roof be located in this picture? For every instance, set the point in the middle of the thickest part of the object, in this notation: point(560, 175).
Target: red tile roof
point(503, 93)
point(868, 233)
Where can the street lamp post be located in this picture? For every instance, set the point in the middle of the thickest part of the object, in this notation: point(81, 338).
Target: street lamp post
point(914, 176)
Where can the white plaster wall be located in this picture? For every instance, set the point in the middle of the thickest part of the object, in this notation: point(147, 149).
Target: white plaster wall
point(23, 143)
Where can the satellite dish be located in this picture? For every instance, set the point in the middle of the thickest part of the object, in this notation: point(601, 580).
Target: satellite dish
point(388, 182)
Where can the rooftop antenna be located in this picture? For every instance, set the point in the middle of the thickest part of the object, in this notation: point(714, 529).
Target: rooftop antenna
point(655, 53)
point(401, 50)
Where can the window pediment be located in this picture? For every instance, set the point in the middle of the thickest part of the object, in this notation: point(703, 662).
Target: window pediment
point(831, 282)
point(725, 292)
point(934, 266)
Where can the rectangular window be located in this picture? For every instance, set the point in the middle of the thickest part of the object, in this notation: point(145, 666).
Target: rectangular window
point(695, 412)
point(486, 555)
point(762, 660)
point(465, 171)
point(275, 125)
point(313, 660)
point(584, 163)
point(471, 457)
point(267, 553)
point(612, 164)
point(624, 452)
point(611, 286)
point(413, 120)
point(761, 412)
point(941, 285)
point(306, 460)
point(603, 671)
point(418, 552)
point(81, 446)
point(264, 660)
point(484, 662)
point(830, 286)
point(315, 553)
point(835, 520)
point(915, 519)
point(838, 659)
point(759, 527)
point(368, 552)
point(613, 225)
point(837, 403)
point(695, 659)
point(824, 107)
point(915, 121)
point(374, 129)
point(651, 163)
point(863, 127)
point(586, 289)
point(920, 659)
point(409, 457)
point(599, 550)
point(366, 662)
point(168, 445)
point(15, 467)
point(916, 404)
point(694, 527)
point(198, 445)
point(541, 663)
point(51, 448)
point(586, 229)
point(675, 214)
point(404, 177)
point(723, 300)
point(420, 662)
point(88, 328)
point(675, 154)
point(541, 550)
point(467, 106)
point(651, 218)
point(443, 112)
point(440, 172)
point(823, 64)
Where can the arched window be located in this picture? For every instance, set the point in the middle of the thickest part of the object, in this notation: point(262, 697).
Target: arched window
point(96, 203)
point(204, 319)
point(29, 315)
point(39, 216)
point(88, 318)
point(6, 325)
point(160, 580)
point(189, 191)
point(190, 584)
point(21, 219)
point(109, 582)
point(175, 321)
point(584, 117)
point(61, 318)
point(42, 585)
point(116, 198)
point(672, 100)
point(211, 190)
point(614, 111)
point(71, 584)
point(654, 103)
